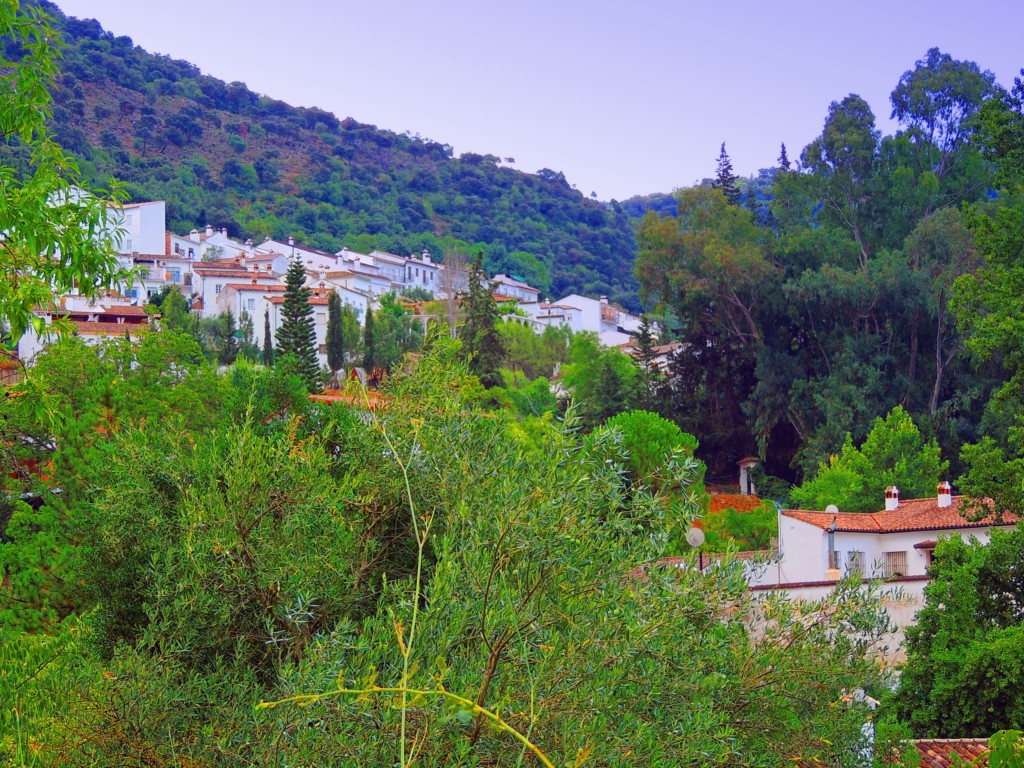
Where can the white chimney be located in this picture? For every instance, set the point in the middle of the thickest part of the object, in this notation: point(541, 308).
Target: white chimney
point(194, 235)
point(892, 498)
point(945, 494)
point(209, 231)
point(426, 256)
point(604, 299)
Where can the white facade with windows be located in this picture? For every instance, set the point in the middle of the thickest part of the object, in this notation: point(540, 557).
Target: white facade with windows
point(889, 544)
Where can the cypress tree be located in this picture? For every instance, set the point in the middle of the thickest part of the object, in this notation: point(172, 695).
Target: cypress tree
point(480, 338)
point(335, 336)
point(297, 335)
point(725, 179)
point(369, 344)
point(268, 346)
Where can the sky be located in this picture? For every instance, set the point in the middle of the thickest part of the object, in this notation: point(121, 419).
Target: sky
point(625, 98)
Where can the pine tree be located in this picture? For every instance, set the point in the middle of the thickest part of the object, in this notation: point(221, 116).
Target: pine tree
point(335, 336)
point(725, 179)
point(268, 345)
point(297, 335)
point(481, 341)
point(784, 163)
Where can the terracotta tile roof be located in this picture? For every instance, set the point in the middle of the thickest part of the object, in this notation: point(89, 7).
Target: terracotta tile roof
point(221, 271)
point(316, 301)
point(272, 288)
point(126, 311)
point(108, 329)
point(910, 515)
point(938, 753)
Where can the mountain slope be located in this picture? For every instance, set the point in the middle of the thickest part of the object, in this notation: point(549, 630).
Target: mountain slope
point(223, 155)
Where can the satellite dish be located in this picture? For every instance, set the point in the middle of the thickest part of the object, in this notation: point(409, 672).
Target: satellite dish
point(832, 509)
point(695, 537)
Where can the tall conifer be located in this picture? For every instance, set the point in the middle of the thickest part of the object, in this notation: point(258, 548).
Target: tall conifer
point(335, 336)
point(725, 179)
point(369, 344)
point(480, 338)
point(784, 163)
point(297, 334)
point(268, 344)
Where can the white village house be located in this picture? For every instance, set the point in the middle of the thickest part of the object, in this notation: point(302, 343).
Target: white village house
point(896, 542)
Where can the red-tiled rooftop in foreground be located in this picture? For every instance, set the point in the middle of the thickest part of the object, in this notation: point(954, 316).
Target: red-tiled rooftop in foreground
point(121, 311)
point(315, 301)
point(108, 329)
point(938, 753)
point(273, 288)
point(910, 515)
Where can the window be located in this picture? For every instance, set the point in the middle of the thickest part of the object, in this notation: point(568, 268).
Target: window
point(323, 349)
point(129, 246)
point(175, 275)
point(250, 303)
point(855, 563)
point(217, 289)
point(321, 319)
point(895, 564)
point(929, 557)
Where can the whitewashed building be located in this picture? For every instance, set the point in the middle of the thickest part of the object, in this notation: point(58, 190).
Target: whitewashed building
point(516, 289)
point(613, 326)
point(422, 272)
point(895, 542)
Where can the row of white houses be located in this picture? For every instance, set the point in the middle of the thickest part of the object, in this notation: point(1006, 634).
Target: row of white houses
point(219, 274)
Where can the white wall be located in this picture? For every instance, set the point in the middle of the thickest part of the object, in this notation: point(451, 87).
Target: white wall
point(804, 551)
point(902, 601)
point(144, 228)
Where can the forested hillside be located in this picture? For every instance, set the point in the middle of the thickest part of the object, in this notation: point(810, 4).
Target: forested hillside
point(220, 154)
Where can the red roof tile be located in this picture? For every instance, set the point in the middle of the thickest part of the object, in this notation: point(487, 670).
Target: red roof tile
point(910, 515)
point(126, 311)
point(314, 300)
point(938, 753)
point(108, 329)
point(273, 288)
point(221, 271)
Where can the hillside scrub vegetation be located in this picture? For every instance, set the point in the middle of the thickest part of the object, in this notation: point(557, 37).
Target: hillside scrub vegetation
point(409, 575)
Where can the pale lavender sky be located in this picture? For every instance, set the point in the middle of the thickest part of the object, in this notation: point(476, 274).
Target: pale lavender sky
point(625, 98)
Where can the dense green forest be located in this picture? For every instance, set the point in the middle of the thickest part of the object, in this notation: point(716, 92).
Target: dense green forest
point(220, 154)
point(850, 280)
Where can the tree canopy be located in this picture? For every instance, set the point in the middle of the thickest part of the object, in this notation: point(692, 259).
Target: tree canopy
point(894, 454)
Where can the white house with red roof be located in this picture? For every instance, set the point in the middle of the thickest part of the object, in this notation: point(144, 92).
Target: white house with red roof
point(894, 543)
point(92, 321)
